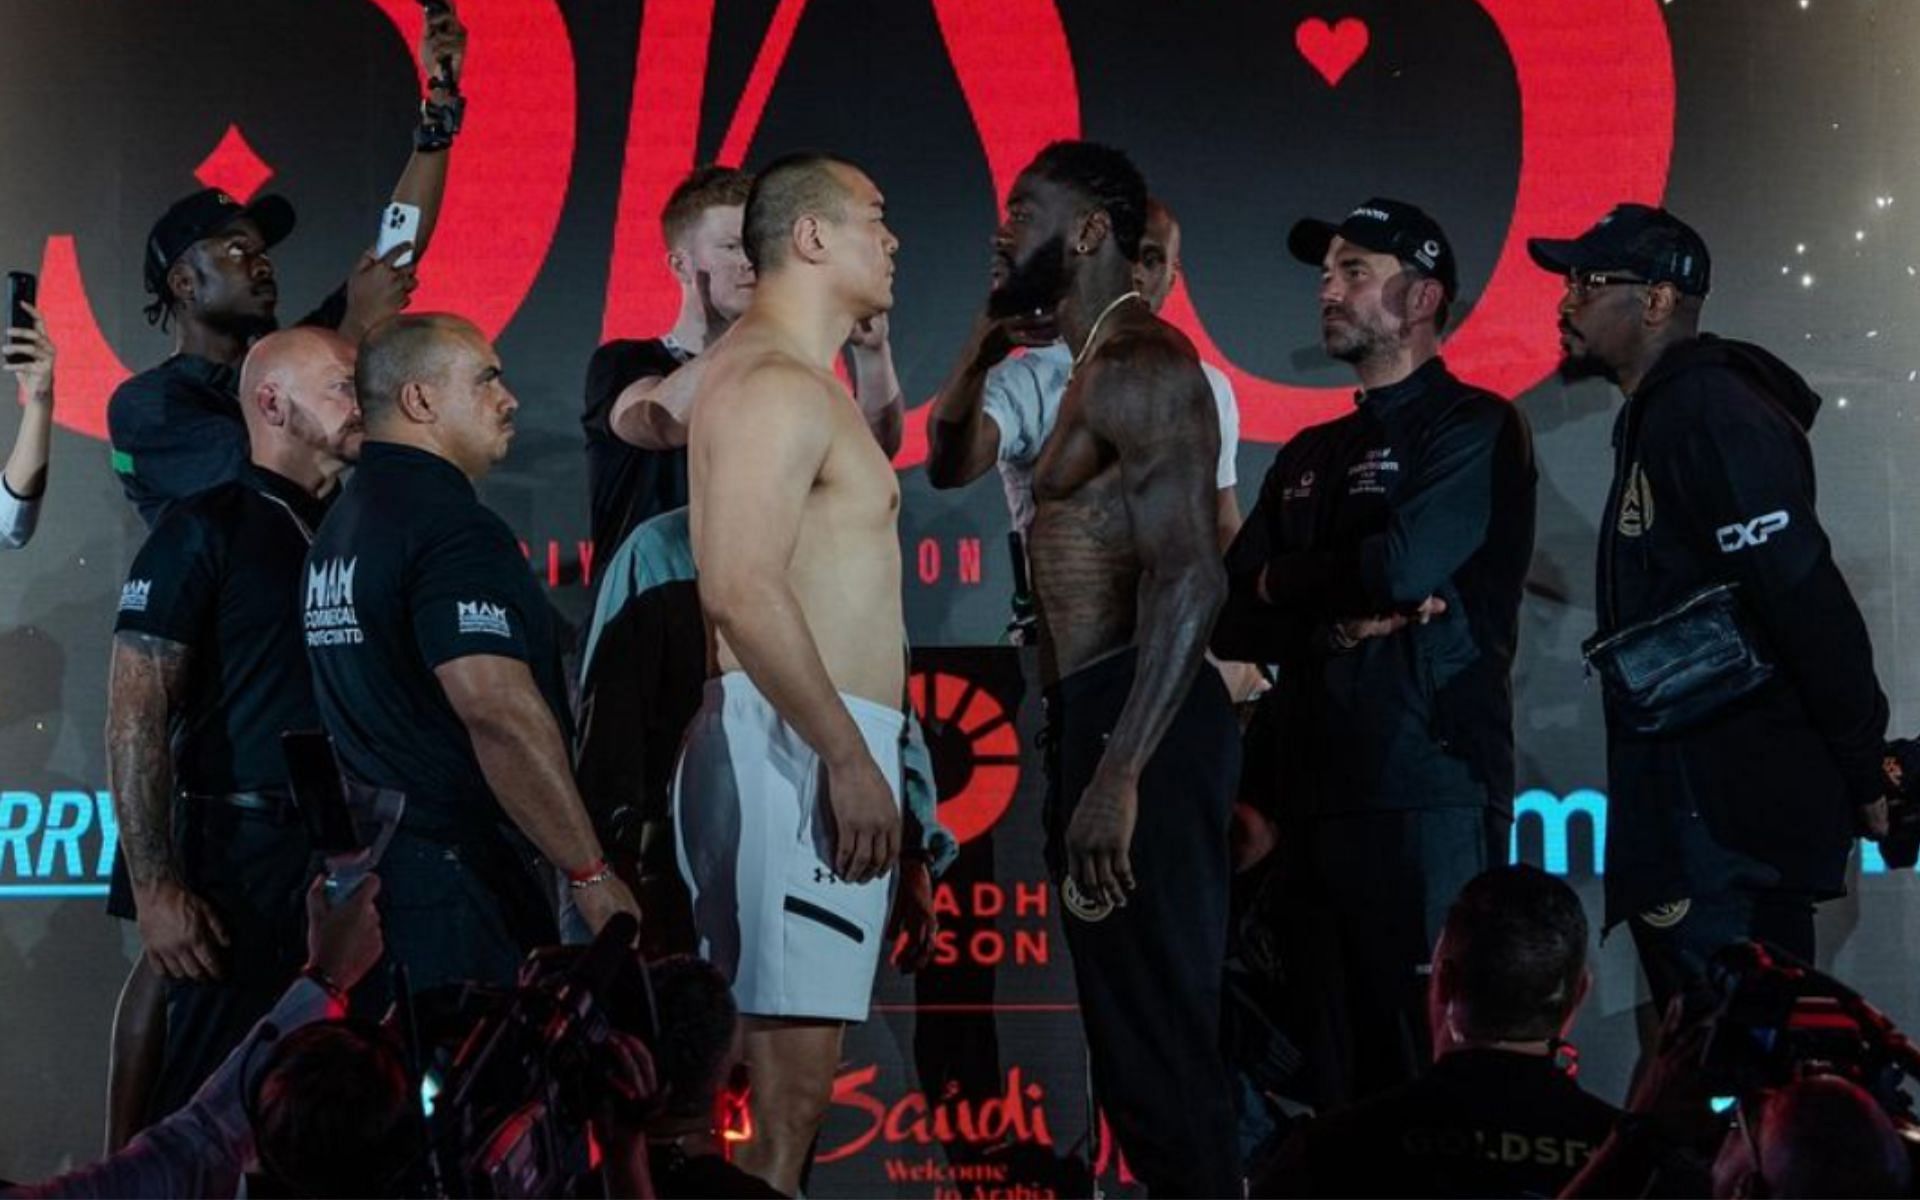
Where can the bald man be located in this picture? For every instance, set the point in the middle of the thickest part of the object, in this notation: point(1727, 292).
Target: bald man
point(436, 661)
point(208, 668)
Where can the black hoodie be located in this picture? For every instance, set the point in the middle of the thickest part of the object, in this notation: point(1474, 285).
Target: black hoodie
point(1713, 482)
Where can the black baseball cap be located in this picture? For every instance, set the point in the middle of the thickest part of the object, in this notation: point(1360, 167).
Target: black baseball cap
point(1650, 242)
point(202, 215)
point(1385, 227)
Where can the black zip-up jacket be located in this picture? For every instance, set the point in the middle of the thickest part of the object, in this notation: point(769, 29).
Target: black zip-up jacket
point(1426, 489)
point(1713, 482)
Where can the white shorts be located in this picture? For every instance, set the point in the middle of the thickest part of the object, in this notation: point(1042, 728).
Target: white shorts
point(755, 844)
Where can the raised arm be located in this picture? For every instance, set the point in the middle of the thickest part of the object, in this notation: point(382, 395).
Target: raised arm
point(963, 440)
point(424, 181)
point(758, 449)
point(26, 470)
point(1148, 400)
point(378, 288)
point(652, 413)
point(876, 386)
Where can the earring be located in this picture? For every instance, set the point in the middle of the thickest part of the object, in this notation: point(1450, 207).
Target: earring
point(1081, 248)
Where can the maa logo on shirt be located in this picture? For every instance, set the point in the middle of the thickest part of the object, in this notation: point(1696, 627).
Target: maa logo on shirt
point(135, 594)
point(477, 616)
point(329, 612)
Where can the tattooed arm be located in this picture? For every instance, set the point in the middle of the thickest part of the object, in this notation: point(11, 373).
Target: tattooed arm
point(146, 686)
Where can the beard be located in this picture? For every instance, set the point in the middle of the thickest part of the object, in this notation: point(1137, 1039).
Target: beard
point(1580, 362)
point(1356, 341)
point(1033, 285)
point(342, 444)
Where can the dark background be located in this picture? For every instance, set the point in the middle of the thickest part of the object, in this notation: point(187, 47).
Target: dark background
point(1792, 132)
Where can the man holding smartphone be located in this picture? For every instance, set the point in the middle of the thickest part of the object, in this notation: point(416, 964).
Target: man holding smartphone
point(209, 666)
point(176, 428)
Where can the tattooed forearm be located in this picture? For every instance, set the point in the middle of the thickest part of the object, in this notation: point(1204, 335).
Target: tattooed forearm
point(144, 691)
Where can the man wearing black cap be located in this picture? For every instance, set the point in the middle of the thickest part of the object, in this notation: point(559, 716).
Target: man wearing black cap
point(176, 428)
point(1731, 825)
point(1382, 568)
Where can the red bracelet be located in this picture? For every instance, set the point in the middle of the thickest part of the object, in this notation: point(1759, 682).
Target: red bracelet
point(593, 872)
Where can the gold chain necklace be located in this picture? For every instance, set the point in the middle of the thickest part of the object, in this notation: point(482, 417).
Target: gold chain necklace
point(1097, 321)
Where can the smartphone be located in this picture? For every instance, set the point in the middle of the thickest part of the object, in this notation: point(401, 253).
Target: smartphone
point(313, 775)
point(22, 289)
point(400, 223)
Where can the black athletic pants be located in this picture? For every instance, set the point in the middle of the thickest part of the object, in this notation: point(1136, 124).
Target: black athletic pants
point(1149, 974)
point(1677, 941)
point(1363, 898)
point(253, 867)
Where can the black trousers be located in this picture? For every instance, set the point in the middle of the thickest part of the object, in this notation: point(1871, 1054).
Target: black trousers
point(1363, 898)
point(455, 911)
point(1149, 974)
point(253, 868)
point(1676, 942)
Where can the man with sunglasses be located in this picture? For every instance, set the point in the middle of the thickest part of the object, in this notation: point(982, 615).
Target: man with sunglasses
point(1735, 825)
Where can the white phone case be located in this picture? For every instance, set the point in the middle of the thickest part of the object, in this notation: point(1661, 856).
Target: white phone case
point(400, 223)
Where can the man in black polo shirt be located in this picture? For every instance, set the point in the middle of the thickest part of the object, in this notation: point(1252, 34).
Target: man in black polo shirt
point(174, 427)
point(208, 668)
point(1498, 1114)
point(629, 480)
point(1382, 569)
point(437, 665)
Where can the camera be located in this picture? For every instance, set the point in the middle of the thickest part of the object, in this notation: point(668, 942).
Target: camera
point(1778, 1020)
point(511, 1076)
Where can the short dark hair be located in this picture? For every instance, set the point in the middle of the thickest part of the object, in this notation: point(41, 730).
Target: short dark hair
point(334, 1113)
point(1516, 940)
point(402, 350)
point(785, 190)
point(697, 1016)
point(708, 186)
point(1107, 179)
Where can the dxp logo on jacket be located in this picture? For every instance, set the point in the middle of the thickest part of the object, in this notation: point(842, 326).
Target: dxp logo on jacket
point(1740, 535)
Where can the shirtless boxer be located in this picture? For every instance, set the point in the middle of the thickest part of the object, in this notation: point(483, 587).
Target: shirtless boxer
point(787, 803)
point(1145, 749)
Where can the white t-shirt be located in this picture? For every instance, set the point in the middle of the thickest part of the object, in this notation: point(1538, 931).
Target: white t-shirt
point(17, 517)
point(1022, 397)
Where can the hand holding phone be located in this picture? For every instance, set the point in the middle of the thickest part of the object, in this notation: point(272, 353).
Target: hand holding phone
point(22, 289)
point(400, 223)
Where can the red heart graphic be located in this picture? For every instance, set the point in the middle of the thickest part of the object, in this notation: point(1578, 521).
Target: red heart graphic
point(1332, 49)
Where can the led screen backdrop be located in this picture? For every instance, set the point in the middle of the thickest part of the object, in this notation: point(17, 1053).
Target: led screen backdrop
point(1783, 129)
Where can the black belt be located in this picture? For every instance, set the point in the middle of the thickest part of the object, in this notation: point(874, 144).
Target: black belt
point(277, 805)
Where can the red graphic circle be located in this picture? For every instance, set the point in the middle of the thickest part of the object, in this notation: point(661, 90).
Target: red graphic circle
point(976, 750)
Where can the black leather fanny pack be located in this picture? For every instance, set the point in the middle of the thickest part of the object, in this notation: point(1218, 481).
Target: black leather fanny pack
point(1673, 671)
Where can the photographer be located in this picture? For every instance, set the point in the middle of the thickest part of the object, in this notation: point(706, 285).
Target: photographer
point(699, 1048)
point(1499, 1113)
point(1821, 1136)
point(1793, 1053)
point(202, 1149)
